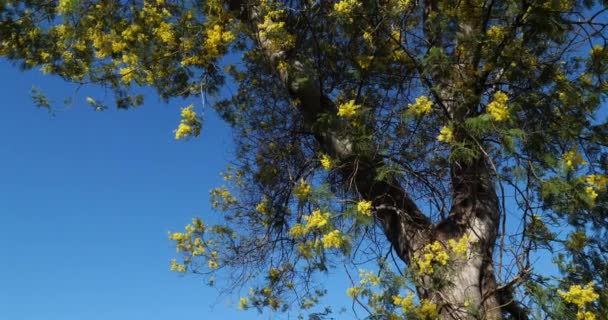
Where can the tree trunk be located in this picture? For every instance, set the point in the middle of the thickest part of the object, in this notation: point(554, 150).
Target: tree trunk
point(470, 292)
point(470, 289)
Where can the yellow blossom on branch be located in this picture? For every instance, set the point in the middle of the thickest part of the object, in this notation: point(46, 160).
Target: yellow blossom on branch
point(353, 292)
point(297, 231)
point(243, 303)
point(334, 239)
point(422, 106)
point(316, 220)
point(446, 134)
point(364, 207)
point(459, 247)
point(406, 304)
point(302, 190)
point(498, 107)
point(348, 109)
point(579, 295)
point(573, 159)
point(326, 162)
point(345, 8)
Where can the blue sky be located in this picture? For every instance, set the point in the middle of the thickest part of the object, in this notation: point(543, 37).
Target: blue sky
point(86, 200)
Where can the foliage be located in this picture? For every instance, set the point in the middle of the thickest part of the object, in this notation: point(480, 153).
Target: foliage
point(418, 140)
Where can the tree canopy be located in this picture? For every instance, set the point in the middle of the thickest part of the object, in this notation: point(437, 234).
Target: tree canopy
point(437, 150)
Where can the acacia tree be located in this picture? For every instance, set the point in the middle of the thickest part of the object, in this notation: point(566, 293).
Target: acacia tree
point(442, 146)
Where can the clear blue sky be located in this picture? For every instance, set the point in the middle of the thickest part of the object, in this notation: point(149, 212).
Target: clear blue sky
point(86, 200)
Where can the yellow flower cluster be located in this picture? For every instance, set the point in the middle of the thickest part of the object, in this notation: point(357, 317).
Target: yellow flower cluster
point(305, 249)
point(188, 242)
point(595, 182)
point(334, 239)
point(406, 303)
point(597, 51)
point(422, 106)
point(243, 303)
point(427, 310)
point(217, 40)
point(302, 190)
point(272, 29)
point(165, 32)
point(364, 207)
point(212, 264)
point(353, 292)
point(368, 277)
point(459, 247)
point(578, 295)
point(221, 197)
point(177, 267)
point(346, 7)
point(298, 230)
point(348, 109)
point(262, 207)
point(326, 162)
point(498, 107)
point(581, 297)
point(496, 33)
point(316, 220)
point(446, 134)
point(65, 6)
point(433, 253)
point(189, 125)
point(573, 159)
point(403, 4)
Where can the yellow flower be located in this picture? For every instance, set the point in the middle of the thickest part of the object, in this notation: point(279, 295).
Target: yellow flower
point(432, 253)
point(173, 264)
point(333, 239)
point(262, 207)
point(498, 107)
point(305, 249)
point(579, 296)
point(243, 303)
point(348, 109)
point(212, 264)
point(597, 51)
point(365, 207)
point(189, 124)
point(353, 292)
point(127, 74)
point(406, 303)
point(459, 247)
point(316, 220)
point(598, 181)
point(495, 33)
point(573, 159)
point(165, 32)
point(591, 192)
point(326, 162)
point(446, 134)
point(422, 106)
point(188, 113)
point(427, 310)
point(585, 315)
point(183, 130)
point(346, 7)
point(303, 190)
point(297, 231)
point(216, 40)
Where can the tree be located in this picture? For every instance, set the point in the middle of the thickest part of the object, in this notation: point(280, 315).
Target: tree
point(445, 146)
